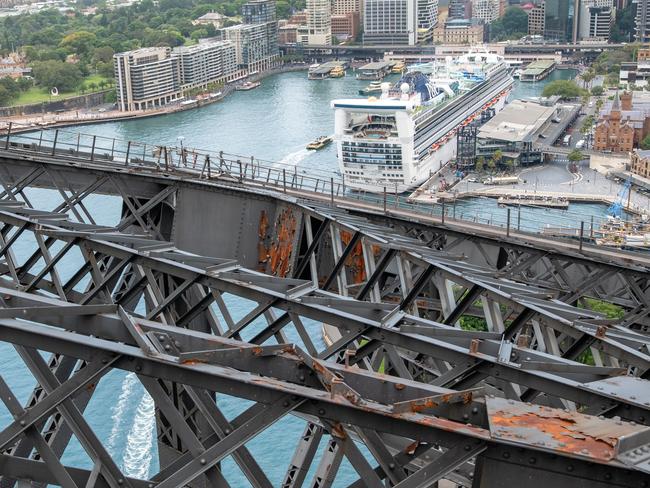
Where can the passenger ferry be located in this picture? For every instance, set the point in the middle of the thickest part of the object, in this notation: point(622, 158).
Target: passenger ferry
point(248, 85)
point(374, 87)
point(398, 68)
point(319, 143)
point(397, 140)
point(337, 72)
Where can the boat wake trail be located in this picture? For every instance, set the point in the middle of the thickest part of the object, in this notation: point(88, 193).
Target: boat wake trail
point(294, 158)
point(139, 443)
point(118, 410)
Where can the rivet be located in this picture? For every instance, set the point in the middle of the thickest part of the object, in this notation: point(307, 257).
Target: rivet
point(301, 377)
point(506, 455)
point(227, 431)
point(391, 465)
point(22, 422)
point(468, 447)
point(570, 467)
point(321, 411)
point(168, 347)
point(608, 476)
point(120, 481)
point(532, 460)
point(285, 403)
point(202, 461)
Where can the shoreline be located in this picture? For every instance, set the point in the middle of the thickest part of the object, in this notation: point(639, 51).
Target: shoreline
point(98, 118)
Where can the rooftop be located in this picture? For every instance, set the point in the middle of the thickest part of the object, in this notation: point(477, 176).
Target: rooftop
point(517, 122)
point(375, 66)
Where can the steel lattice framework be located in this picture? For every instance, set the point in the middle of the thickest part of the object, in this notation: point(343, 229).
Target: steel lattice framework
point(546, 389)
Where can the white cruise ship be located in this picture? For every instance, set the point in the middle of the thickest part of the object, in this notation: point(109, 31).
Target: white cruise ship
point(398, 139)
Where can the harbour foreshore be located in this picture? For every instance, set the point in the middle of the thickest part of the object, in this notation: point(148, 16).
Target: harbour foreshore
point(73, 118)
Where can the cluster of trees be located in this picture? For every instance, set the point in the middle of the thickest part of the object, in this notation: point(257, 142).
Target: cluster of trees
point(10, 89)
point(49, 38)
point(564, 88)
point(492, 163)
point(512, 25)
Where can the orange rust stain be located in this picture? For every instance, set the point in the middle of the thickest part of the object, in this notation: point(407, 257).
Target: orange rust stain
point(355, 261)
point(423, 405)
point(275, 248)
point(282, 248)
point(338, 431)
point(262, 250)
point(561, 429)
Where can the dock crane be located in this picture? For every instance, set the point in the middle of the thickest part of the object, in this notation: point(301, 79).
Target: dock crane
point(616, 208)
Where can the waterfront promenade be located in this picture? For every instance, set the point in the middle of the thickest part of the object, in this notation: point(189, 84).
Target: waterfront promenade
point(102, 114)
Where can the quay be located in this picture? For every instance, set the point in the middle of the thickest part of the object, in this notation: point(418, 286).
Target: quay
point(517, 197)
point(375, 71)
point(537, 70)
point(324, 70)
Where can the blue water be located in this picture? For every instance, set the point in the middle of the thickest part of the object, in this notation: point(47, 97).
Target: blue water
point(273, 122)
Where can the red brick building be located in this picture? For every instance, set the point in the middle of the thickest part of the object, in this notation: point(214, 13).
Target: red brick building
point(623, 125)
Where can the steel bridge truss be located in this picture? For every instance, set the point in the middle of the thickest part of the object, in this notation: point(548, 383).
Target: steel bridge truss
point(434, 367)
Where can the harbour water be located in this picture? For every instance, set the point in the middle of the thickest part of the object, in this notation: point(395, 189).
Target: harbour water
point(272, 122)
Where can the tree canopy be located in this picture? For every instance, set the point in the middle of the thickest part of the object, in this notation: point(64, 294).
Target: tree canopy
point(512, 25)
point(63, 76)
point(563, 88)
point(645, 143)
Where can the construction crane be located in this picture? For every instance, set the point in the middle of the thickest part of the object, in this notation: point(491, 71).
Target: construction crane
point(616, 209)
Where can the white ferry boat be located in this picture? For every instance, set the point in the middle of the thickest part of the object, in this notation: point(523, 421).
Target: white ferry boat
point(396, 140)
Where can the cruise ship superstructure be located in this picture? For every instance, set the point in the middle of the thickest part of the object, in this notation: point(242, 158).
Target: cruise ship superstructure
point(398, 139)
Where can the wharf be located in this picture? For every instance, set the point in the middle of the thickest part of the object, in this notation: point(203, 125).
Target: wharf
point(375, 71)
point(508, 196)
point(324, 70)
point(537, 70)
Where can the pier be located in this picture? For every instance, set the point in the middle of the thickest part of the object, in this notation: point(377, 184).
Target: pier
point(375, 71)
point(537, 70)
point(323, 71)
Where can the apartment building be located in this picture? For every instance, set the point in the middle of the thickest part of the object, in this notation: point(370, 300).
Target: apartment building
point(642, 25)
point(345, 26)
point(459, 9)
point(427, 19)
point(487, 10)
point(206, 63)
point(256, 40)
point(596, 19)
point(536, 18)
point(319, 22)
point(390, 22)
point(146, 78)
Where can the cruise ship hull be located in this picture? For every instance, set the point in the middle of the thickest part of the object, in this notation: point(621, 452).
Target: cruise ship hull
point(399, 148)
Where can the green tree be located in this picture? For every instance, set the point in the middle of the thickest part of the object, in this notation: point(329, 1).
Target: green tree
point(575, 156)
point(497, 157)
point(563, 88)
point(103, 54)
point(5, 97)
point(512, 25)
point(491, 164)
point(645, 143)
point(478, 166)
point(199, 34)
point(599, 104)
point(623, 28)
point(597, 91)
point(80, 42)
point(65, 76)
point(587, 124)
point(587, 77)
